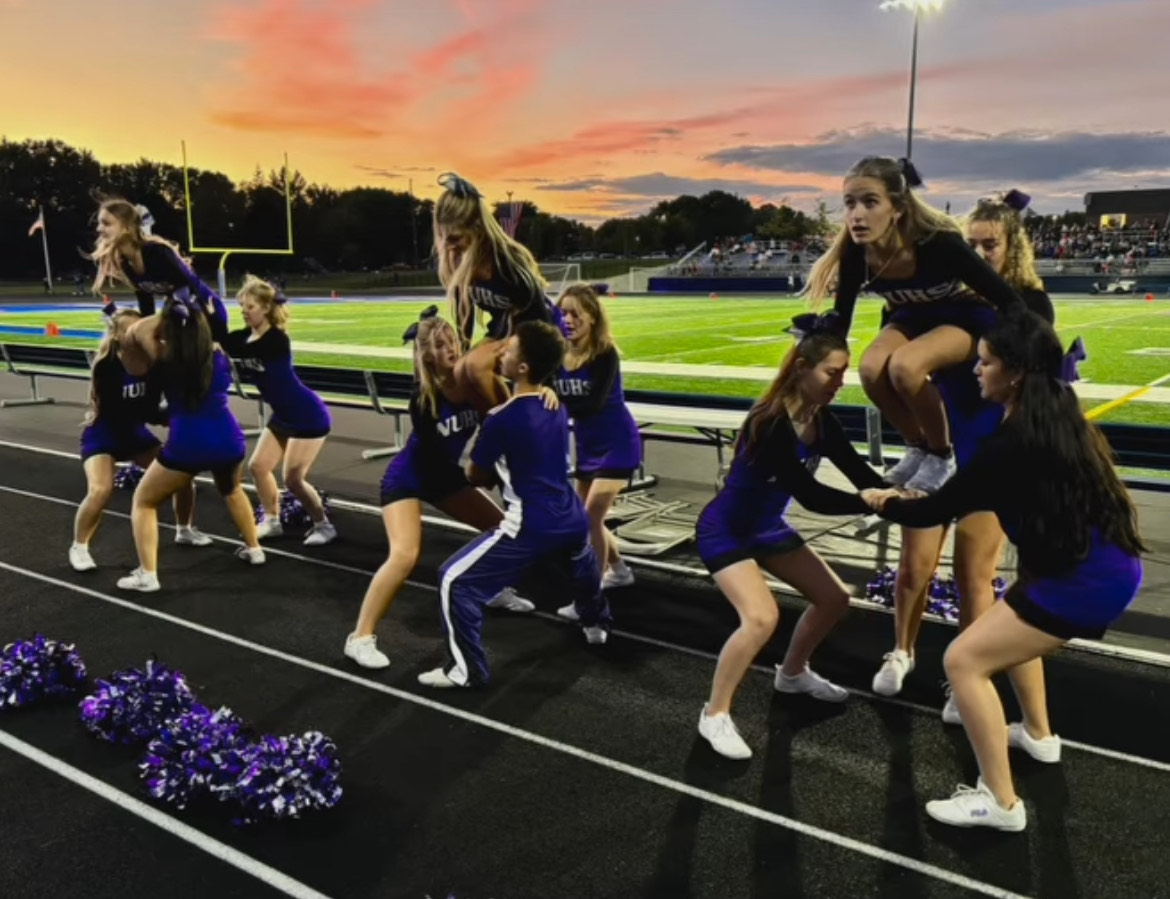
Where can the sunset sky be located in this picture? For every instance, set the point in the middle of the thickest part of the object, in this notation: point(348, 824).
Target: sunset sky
point(596, 108)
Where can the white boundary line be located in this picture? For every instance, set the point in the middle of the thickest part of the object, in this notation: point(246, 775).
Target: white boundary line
point(1140, 761)
point(840, 840)
point(1109, 650)
point(151, 815)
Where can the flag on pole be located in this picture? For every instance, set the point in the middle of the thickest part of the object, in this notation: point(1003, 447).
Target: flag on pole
point(38, 225)
point(510, 217)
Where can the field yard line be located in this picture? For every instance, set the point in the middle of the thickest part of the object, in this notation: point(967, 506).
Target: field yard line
point(1120, 318)
point(1104, 408)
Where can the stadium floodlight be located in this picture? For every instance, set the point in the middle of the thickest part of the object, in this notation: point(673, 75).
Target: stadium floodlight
point(918, 7)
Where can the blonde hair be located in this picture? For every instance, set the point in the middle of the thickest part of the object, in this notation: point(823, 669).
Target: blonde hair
point(461, 207)
point(110, 255)
point(919, 220)
point(600, 335)
point(424, 367)
point(1019, 265)
point(108, 345)
point(269, 299)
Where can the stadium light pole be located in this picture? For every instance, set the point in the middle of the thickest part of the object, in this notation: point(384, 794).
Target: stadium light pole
point(918, 7)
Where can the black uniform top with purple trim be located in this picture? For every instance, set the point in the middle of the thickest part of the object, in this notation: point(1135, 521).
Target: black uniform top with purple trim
point(607, 435)
point(781, 468)
point(947, 269)
point(267, 362)
point(508, 303)
point(163, 274)
point(441, 438)
point(125, 401)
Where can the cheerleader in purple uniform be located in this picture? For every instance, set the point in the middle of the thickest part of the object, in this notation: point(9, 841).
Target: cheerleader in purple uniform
point(177, 345)
point(126, 251)
point(299, 422)
point(609, 449)
point(485, 272)
point(120, 405)
point(742, 533)
point(428, 469)
point(1047, 474)
point(940, 295)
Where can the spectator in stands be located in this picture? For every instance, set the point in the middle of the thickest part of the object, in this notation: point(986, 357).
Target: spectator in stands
point(484, 269)
point(742, 533)
point(609, 447)
point(995, 231)
point(1048, 475)
point(940, 295)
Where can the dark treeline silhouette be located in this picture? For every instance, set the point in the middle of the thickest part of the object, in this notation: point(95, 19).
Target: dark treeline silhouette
point(360, 229)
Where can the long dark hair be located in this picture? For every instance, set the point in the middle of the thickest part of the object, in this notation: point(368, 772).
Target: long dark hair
point(187, 349)
point(811, 349)
point(1080, 490)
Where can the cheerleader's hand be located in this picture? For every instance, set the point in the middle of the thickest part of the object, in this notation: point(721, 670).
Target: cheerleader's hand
point(551, 401)
point(876, 499)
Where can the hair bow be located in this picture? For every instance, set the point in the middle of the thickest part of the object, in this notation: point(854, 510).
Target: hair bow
point(1068, 364)
point(910, 173)
point(1017, 200)
point(183, 305)
point(459, 186)
point(809, 323)
point(280, 299)
point(147, 218)
point(411, 333)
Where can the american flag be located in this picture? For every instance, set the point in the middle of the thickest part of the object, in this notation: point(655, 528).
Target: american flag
point(510, 217)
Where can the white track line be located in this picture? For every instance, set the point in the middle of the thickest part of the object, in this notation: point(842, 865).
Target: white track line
point(151, 815)
point(734, 805)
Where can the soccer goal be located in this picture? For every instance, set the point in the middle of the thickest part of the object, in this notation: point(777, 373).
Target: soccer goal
point(560, 275)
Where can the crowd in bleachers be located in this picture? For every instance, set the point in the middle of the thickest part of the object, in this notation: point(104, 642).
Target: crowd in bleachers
point(745, 256)
point(1110, 249)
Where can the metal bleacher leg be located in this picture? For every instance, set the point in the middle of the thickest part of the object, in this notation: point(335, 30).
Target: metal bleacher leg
point(35, 400)
point(873, 435)
point(385, 451)
point(262, 421)
point(640, 480)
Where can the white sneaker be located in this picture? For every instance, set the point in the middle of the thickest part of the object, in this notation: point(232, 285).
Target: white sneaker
point(253, 555)
point(933, 473)
point(190, 536)
point(321, 533)
point(80, 558)
point(895, 667)
point(811, 683)
point(1046, 749)
point(950, 712)
point(596, 636)
point(269, 527)
point(511, 601)
point(617, 576)
point(901, 473)
point(364, 651)
point(719, 730)
point(977, 808)
point(436, 678)
point(142, 581)
point(569, 612)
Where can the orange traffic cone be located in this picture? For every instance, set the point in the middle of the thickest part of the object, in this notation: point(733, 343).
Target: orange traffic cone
point(1149, 298)
point(51, 330)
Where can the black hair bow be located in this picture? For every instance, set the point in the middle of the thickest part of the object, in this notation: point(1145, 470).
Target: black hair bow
point(1017, 200)
point(910, 173)
point(459, 186)
point(810, 323)
point(1068, 365)
point(411, 333)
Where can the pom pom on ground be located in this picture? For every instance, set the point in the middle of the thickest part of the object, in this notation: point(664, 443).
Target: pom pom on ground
point(284, 777)
point(37, 670)
point(200, 754)
point(128, 476)
point(131, 706)
point(942, 595)
point(292, 513)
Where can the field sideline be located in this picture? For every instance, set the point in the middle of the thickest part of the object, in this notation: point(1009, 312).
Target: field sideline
point(679, 343)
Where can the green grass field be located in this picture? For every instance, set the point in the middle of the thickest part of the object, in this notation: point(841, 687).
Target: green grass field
point(1128, 340)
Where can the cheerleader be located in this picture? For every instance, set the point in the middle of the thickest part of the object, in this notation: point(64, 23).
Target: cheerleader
point(484, 271)
point(126, 251)
point(995, 230)
point(115, 430)
point(940, 296)
point(742, 533)
point(203, 434)
point(609, 448)
point(427, 470)
point(1047, 475)
point(299, 422)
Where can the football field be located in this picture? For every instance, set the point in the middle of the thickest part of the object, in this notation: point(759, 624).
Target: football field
point(723, 345)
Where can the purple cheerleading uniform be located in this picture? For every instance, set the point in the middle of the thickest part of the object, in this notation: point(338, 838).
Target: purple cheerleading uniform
point(1060, 594)
point(164, 274)
point(509, 302)
point(745, 520)
point(125, 404)
point(527, 446)
point(951, 285)
point(428, 467)
point(607, 438)
point(268, 363)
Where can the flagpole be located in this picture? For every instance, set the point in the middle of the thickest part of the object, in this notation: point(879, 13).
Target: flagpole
point(45, 248)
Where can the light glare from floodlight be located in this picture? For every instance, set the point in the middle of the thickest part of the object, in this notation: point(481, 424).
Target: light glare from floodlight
point(914, 5)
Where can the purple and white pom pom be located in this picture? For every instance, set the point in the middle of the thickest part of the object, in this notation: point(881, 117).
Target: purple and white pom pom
point(39, 669)
point(294, 515)
point(198, 754)
point(284, 777)
point(128, 476)
point(132, 705)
